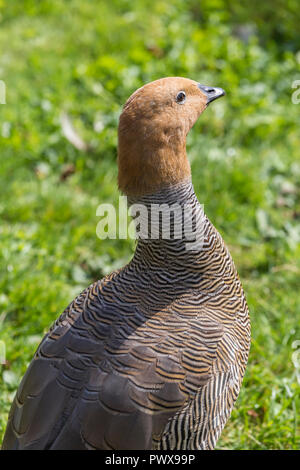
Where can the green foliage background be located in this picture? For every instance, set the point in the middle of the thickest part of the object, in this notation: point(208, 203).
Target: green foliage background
point(85, 58)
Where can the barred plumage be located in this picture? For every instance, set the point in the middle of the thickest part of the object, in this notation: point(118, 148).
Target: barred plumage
point(150, 357)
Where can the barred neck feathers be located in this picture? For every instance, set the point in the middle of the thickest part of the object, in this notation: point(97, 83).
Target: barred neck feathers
point(207, 254)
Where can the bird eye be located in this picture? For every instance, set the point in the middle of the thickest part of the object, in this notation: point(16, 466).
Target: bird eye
point(180, 98)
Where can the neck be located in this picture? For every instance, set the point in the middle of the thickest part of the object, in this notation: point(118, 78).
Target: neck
point(189, 248)
point(149, 164)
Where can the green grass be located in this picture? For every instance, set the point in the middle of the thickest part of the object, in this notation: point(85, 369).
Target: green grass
point(86, 58)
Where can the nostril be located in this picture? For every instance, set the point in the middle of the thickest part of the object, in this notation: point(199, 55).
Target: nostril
point(212, 93)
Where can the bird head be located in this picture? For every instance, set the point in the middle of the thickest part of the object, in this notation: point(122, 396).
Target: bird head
point(152, 133)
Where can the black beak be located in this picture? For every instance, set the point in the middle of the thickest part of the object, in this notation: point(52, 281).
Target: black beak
point(212, 93)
